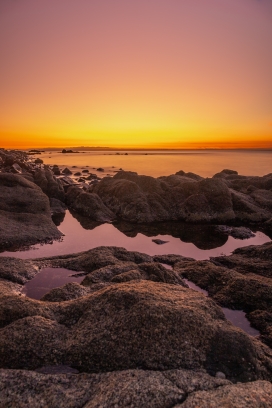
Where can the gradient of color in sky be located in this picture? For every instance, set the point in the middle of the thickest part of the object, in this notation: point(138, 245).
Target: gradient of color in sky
point(145, 73)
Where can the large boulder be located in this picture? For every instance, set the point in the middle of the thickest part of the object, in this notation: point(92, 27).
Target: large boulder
point(142, 199)
point(24, 213)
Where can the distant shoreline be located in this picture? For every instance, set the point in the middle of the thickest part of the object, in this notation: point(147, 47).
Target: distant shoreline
point(111, 149)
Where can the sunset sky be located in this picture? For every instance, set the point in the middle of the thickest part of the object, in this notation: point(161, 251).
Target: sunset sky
point(142, 73)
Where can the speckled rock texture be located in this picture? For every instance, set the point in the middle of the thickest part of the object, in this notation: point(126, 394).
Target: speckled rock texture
point(25, 216)
point(240, 281)
point(49, 184)
point(153, 322)
point(129, 388)
point(252, 395)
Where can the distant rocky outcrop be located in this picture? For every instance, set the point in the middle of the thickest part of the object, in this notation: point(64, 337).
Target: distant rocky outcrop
point(68, 151)
point(185, 197)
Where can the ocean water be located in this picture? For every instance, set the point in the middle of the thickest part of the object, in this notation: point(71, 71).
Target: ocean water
point(162, 163)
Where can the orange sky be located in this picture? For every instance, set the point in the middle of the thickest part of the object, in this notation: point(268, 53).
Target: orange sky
point(169, 74)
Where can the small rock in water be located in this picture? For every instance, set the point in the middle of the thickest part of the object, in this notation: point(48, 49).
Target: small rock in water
point(56, 171)
point(220, 375)
point(159, 241)
point(66, 171)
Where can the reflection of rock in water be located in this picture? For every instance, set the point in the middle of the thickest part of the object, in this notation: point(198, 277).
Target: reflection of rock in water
point(202, 236)
point(85, 222)
point(58, 219)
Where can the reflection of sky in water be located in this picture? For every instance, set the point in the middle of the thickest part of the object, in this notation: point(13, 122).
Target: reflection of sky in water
point(78, 239)
point(47, 279)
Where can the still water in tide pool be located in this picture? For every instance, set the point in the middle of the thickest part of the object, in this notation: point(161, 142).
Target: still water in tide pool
point(163, 163)
point(196, 241)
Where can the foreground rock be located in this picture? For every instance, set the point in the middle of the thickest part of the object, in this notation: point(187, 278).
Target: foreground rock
point(25, 216)
point(137, 388)
point(253, 395)
point(135, 314)
point(135, 332)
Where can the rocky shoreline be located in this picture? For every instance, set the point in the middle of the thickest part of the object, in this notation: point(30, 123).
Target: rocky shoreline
point(133, 333)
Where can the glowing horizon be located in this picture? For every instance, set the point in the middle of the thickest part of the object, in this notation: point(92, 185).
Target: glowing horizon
point(156, 74)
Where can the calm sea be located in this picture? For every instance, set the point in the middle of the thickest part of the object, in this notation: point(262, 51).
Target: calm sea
point(153, 163)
